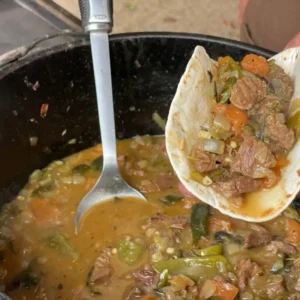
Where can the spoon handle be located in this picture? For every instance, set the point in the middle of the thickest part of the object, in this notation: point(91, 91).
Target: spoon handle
point(102, 73)
point(97, 20)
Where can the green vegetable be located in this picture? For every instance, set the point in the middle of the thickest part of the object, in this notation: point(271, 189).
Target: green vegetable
point(212, 250)
point(80, 169)
point(234, 65)
point(277, 266)
point(291, 213)
point(170, 199)
point(196, 176)
point(163, 279)
point(60, 244)
point(194, 267)
point(199, 221)
point(130, 252)
point(97, 164)
point(26, 279)
point(226, 93)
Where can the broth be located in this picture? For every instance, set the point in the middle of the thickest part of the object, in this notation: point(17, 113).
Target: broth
point(43, 258)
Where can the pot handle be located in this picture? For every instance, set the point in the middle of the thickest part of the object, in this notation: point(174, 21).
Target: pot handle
point(96, 15)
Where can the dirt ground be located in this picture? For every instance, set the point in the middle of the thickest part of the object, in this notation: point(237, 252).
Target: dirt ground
point(213, 17)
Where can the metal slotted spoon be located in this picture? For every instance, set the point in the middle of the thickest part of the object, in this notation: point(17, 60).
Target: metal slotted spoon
point(97, 20)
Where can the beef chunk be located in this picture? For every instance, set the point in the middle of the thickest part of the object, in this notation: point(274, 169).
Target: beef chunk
point(256, 240)
point(246, 270)
point(281, 246)
point(248, 91)
point(102, 270)
point(236, 186)
point(253, 159)
point(145, 277)
point(205, 161)
point(282, 137)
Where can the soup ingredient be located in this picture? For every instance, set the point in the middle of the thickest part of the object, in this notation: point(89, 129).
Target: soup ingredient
point(292, 231)
point(195, 267)
point(97, 163)
point(130, 251)
point(61, 245)
point(199, 221)
point(255, 64)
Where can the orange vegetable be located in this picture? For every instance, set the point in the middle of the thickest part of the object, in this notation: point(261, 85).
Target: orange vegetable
point(224, 60)
point(44, 211)
point(225, 291)
point(292, 231)
point(255, 64)
point(237, 117)
point(215, 225)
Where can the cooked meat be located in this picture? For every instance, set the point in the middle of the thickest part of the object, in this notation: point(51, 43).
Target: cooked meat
point(295, 296)
point(282, 84)
point(270, 104)
point(135, 293)
point(281, 246)
point(205, 161)
point(256, 240)
point(145, 277)
point(274, 289)
point(248, 91)
point(253, 159)
point(246, 269)
point(166, 180)
point(178, 221)
point(102, 270)
point(278, 132)
point(236, 186)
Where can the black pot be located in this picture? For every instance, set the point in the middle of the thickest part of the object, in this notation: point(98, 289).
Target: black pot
point(146, 69)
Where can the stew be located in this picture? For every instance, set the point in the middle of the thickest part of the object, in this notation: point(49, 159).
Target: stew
point(173, 247)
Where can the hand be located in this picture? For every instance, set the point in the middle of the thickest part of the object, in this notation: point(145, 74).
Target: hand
point(294, 42)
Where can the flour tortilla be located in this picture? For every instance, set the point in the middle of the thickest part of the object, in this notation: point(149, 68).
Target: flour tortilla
point(191, 109)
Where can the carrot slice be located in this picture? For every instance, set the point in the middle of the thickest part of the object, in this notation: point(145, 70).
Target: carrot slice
point(225, 291)
point(44, 211)
point(237, 117)
point(292, 231)
point(255, 64)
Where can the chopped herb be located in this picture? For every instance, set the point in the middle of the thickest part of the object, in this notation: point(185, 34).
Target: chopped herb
point(60, 286)
point(130, 252)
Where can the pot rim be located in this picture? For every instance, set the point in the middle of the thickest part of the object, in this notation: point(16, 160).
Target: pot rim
point(38, 52)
